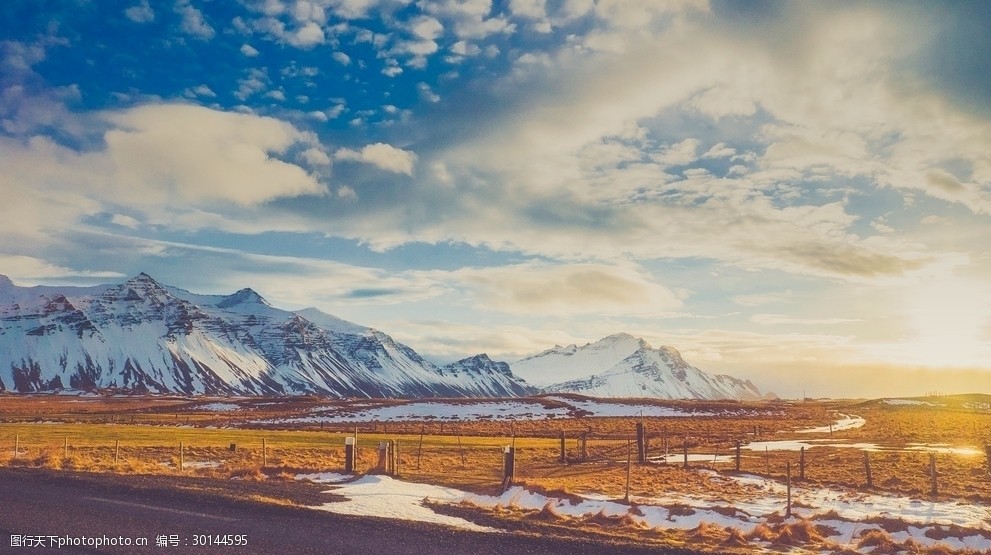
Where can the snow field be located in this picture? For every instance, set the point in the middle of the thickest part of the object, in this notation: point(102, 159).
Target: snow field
point(846, 514)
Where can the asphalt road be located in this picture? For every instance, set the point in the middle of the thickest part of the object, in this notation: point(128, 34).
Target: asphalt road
point(38, 506)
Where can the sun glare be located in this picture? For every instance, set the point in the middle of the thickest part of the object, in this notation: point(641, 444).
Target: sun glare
point(949, 318)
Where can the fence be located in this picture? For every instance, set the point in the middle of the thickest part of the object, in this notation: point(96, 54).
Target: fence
point(580, 458)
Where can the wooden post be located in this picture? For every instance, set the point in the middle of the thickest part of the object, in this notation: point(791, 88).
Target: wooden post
point(788, 473)
point(181, 465)
point(419, 449)
point(564, 455)
point(641, 447)
point(987, 451)
point(867, 469)
point(684, 448)
point(17, 444)
point(349, 455)
point(461, 448)
point(801, 463)
point(65, 449)
point(629, 464)
point(508, 466)
point(738, 456)
point(767, 461)
point(934, 490)
point(116, 450)
point(384, 455)
point(396, 467)
point(264, 454)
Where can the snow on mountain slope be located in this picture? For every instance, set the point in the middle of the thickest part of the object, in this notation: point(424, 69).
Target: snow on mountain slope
point(145, 336)
point(570, 363)
point(498, 372)
point(624, 366)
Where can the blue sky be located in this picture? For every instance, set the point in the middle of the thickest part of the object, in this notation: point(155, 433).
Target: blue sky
point(784, 191)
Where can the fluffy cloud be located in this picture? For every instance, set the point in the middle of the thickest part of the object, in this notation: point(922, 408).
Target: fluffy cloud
point(193, 22)
point(382, 156)
point(141, 13)
point(166, 161)
point(569, 289)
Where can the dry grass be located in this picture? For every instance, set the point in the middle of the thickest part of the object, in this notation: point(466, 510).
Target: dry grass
point(468, 455)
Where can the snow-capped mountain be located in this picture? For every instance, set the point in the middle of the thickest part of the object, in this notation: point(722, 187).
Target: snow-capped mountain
point(625, 366)
point(145, 336)
point(482, 365)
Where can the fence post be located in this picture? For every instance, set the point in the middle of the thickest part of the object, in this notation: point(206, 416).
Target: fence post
point(396, 454)
point(349, 455)
point(987, 451)
point(564, 456)
point(934, 490)
point(116, 450)
point(383, 462)
point(419, 449)
point(738, 455)
point(508, 466)
point(801, 463)
point(684, 448)
point(641, 447)
point(181, 462)
point(264, 454)
point(788, 473)
point(461, 448)
point(867, 469)
point(629, 463)
point(17, 444)
point(65, 449)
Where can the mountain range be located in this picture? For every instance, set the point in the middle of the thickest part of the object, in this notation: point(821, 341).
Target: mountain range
point(143, 336)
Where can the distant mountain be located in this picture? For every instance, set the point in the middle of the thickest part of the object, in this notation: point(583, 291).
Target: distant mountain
point(143, 336)
point(482, 365)
point(625, 366)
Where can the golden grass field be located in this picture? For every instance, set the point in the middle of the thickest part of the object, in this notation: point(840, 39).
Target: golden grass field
point(84, 434)
point(142, 435)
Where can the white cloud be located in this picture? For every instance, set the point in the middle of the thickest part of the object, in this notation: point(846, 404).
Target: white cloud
point(569, 289)
point(316, 157)
point(248, 50)
point(193, 22)
point(426, 93)
point(29, 270)
point(470, 18)
point(719, 150)
point(141, 13)
point(785, 320)
point(680, 154)
point(382, 156)
point(124, 220)
point(341, 58)
point(307, 36)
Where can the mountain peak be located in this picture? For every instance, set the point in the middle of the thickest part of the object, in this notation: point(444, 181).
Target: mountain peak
point(5, 282)
point(243, 296)
point(142, 281)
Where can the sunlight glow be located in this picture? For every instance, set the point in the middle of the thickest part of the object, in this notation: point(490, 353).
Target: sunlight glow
point(950, 318)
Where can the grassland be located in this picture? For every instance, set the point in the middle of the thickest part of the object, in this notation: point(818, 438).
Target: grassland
point(258, 440)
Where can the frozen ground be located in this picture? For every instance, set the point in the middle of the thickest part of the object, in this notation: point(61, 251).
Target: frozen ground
point(560, 407)
point(846, 514)
point(845, 422)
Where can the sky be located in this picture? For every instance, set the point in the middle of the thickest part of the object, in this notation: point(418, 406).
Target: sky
point(798, 193)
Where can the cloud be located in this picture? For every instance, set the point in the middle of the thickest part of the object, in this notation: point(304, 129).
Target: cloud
point(193, 23)
point(164, 163)
point(382, 156)
point(248, 50)
point(470, 18)
point(784, 320)
point(29, 270)
point(141, 13)
point(569, 289)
